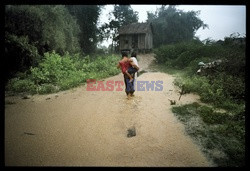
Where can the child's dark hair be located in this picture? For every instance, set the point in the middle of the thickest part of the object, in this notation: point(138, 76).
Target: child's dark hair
point(133, 54)
point(124, 53)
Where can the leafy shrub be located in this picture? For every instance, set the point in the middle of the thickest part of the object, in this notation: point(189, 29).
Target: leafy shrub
point(55, 73)
point(73, 80)
point(21, 85)
point(187, 55)
point(47, 88)
point(165, 53)
point(224, 88)
point(173, 51)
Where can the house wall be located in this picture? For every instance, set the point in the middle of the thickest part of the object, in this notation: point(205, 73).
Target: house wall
point(141, 41)
point(145, 41)
point(125, 42)
point(149, 41)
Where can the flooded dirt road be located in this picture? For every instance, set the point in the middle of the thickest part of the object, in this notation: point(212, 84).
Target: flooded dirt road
point(89, 128)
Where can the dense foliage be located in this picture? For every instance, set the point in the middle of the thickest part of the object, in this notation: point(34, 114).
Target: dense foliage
point(172, 26)
point(221, 134)
point(223, 83)
point(32, 30)
point(55, 73)
point(47, 27)
point(87, 18)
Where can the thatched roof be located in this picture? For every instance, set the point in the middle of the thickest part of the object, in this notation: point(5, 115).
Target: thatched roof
point(136, 28)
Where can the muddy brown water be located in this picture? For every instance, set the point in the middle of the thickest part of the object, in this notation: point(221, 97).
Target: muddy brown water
point(89, 128)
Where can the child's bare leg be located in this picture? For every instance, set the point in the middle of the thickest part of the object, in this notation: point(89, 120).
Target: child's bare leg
point(130, 77)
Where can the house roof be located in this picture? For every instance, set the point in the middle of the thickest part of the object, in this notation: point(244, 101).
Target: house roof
point(136, 28)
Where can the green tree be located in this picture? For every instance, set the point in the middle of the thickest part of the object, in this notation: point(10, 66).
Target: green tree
point(172, 25)
point(87, 17)
point(151, 16)
point(45, 25)
point(122, 15)
point(32, 30)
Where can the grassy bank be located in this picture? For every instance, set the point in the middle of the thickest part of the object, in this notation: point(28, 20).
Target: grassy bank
point(221, 135)
point(217, 125)
point(56, 73)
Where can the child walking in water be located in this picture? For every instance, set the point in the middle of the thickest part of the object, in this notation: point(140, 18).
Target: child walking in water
point(125, 64)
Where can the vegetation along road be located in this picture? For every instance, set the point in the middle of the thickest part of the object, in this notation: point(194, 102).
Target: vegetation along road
point(90, 128)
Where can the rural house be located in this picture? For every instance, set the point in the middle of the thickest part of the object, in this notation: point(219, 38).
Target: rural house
point(136, 37)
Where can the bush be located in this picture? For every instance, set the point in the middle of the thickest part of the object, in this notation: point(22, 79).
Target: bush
point(224, 88)
point(188, 54)
point(21, 85)
point(226, 83)
point(56, 73)
point(73, 80)
point(173, 51)
point(47, 88)
point(50, 70)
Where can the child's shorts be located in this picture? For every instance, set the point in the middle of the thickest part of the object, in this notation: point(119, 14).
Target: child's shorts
point(132, 70)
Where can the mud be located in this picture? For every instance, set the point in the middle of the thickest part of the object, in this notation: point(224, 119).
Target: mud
point(89, 128)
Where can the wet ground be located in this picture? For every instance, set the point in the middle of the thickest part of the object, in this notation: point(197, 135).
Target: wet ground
point(102, 128)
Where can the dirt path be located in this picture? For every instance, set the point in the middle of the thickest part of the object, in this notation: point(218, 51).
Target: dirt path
point(89, 128)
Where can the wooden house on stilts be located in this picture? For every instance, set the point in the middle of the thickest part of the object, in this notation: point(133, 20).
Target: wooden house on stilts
point(136, 37)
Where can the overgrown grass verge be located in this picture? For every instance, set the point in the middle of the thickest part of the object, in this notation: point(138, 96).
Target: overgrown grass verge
point(215, 92)
point(221, 135)
point(56, 73)
point(160, 67)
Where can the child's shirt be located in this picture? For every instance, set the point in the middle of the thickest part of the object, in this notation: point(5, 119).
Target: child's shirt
point(135, 61)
